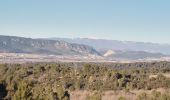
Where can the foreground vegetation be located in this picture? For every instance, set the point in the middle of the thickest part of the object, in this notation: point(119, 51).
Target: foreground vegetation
point(55, 81)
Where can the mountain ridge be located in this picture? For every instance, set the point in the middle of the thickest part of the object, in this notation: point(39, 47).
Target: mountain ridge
point(104, 44)
point(67, 47)
point(17, 44)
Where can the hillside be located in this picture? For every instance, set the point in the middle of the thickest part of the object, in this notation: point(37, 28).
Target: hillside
point(11, 44)
point(131, 55)
point(103, 44)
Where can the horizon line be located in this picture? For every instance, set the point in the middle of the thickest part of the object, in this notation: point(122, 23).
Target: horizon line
point(94, 38)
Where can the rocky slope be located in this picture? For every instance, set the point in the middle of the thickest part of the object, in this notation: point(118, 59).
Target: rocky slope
point(102, 44)
point(14, 44)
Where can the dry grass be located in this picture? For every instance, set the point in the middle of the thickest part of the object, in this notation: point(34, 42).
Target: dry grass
point(79, 95)
point(166, 75)
point(113, 95)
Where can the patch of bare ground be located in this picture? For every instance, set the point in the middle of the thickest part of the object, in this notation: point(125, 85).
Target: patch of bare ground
point(114, 95)
point(167, 75)
point(164, 74)
point(79, 95)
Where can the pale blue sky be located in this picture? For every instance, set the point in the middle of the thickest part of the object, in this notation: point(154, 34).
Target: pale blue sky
point(132, 20)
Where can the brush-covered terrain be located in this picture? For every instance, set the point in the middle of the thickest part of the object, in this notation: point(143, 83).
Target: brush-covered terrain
point(85, 81)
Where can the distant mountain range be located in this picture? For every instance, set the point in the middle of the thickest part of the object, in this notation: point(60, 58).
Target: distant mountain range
point(123, 50)
point(104, 45)
point(12, 44)
point(108, 49)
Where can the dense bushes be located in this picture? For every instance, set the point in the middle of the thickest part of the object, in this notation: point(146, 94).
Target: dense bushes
point(3, 91)
point(54, 81)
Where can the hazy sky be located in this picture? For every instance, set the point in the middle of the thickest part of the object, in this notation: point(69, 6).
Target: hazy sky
point(132, 20)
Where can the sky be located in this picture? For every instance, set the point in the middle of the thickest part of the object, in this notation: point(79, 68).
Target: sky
point(127, 20)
